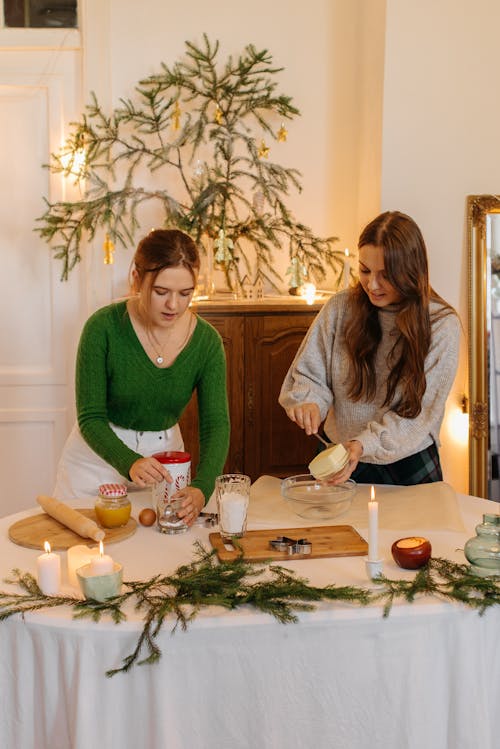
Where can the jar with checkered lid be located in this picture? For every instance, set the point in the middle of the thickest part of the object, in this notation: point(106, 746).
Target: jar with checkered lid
point(112, 507)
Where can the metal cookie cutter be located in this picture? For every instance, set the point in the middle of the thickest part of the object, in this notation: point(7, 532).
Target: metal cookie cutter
point(207, 519)
point(291, 545)
point(282, 543)
point(303, 546)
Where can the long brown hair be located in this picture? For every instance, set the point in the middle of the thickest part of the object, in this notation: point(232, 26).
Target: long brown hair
point(406, 268)
point(160, 249)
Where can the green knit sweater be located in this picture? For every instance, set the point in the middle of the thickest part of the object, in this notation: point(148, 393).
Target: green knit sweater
point(117, 382)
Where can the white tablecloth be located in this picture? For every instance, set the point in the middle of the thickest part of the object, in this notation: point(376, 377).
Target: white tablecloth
point(341, 677)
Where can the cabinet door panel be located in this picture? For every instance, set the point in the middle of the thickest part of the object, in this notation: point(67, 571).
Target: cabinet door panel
point(273, 444)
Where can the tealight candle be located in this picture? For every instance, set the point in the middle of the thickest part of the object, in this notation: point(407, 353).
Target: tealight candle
point(102, 564)
point(372, 527)
point(48, 571)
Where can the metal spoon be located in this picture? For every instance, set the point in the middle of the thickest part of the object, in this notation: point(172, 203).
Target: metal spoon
point(321, 439)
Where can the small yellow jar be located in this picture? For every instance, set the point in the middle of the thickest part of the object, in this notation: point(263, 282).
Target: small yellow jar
point(112, 507)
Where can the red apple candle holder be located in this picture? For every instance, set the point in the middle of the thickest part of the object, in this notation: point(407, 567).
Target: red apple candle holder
point(411, 553)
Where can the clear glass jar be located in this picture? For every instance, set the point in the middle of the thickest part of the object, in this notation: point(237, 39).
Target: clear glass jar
point(483, 550)
point(112, 507)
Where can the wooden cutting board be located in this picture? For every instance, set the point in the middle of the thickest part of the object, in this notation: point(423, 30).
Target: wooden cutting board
point(34, 530)
point(327, 541)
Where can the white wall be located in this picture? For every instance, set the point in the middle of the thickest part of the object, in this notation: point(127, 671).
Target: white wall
point(440, 141)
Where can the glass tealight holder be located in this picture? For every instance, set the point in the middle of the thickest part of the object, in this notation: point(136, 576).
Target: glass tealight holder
point(483, 550)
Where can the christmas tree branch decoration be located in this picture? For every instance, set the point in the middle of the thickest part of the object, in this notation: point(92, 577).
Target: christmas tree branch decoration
point(193, 141)
point(270, 589)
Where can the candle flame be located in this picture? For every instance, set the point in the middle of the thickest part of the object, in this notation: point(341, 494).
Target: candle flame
point(346, 252)
point(46, 546)
point(101, 548)
point(372, 494)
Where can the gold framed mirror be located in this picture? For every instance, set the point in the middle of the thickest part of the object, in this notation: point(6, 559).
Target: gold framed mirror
point(483, 243)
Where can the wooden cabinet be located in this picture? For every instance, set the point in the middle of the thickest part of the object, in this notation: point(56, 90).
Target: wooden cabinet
point(260, 339)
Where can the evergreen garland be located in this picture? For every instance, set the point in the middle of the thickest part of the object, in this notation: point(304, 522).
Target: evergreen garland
point(200, 127)
point(281, 593)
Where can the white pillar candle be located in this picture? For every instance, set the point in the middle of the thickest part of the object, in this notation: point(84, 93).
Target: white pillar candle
point(101, 564)
point(372, 527)
point(77, 556)
point(48, 572)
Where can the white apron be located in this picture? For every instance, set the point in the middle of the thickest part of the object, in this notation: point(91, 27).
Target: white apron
point(81, 471)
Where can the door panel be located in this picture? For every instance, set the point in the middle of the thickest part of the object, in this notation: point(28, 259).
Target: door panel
point(41, 315)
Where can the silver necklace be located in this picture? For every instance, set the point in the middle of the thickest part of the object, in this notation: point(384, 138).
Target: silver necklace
point(159, 354)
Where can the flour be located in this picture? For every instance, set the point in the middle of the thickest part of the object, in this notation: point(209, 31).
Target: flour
point(233, 511)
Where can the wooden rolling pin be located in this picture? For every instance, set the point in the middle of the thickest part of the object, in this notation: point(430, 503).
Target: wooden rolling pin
point(70, 518)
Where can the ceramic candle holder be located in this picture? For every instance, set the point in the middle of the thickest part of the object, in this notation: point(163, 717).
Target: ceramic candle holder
point(374, 568)
point(100, 587)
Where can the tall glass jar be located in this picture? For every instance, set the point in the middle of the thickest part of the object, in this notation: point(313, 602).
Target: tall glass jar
point(483, 550)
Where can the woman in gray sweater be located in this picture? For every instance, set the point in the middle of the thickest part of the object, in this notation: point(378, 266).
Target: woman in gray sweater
point(379, 361)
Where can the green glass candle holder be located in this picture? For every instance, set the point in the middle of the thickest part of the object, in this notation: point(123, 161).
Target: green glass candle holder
point(483, 550)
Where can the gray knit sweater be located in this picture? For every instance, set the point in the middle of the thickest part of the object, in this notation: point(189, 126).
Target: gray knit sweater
point(319, 372)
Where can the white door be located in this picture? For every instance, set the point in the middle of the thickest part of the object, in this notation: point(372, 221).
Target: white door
point(40, 316)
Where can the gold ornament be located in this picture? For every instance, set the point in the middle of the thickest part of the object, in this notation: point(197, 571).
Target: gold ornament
point(218, 115)
point(176, 117)
point(109, 251)
point(224, 248)
point(282, 134)
point(263, 152)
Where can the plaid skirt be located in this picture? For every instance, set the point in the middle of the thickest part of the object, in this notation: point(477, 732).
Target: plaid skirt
point(423, 467)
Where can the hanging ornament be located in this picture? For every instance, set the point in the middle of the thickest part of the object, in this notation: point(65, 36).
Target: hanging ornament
point(109, 251)
point(176, 117)
point(224, 247)
point(199, 168)
point(263, 152)
point(218, 115)
point(258, 202)
point(282, 134)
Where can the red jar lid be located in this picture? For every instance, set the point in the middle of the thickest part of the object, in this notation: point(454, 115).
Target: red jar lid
point(172, 456)
point(113, 490)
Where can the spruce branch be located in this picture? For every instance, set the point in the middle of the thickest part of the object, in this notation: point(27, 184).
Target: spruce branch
point(200, 110)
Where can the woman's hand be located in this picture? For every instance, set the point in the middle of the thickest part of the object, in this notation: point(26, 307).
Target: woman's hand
point(193, 503)
point(306, 415)
point(355, 451)
point(147, 471)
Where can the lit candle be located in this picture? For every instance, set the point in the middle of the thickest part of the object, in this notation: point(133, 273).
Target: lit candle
point(309, 292)
point(48, 571)
point(77, 556)
point(347, 269)
point(101, 564)
point(372, 527)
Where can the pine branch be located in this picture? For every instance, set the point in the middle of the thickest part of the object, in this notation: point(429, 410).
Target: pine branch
point(223, 105)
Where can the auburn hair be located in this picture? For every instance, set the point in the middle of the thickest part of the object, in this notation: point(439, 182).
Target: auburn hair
point(406, 268)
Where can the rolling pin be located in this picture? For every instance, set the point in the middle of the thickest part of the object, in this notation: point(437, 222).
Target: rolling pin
point(70, 518)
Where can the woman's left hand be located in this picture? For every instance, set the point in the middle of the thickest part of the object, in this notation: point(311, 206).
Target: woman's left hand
point(355, 450)
point(193, 503)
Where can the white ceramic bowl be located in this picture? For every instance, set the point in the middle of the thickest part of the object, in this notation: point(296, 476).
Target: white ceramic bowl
point(315, 500)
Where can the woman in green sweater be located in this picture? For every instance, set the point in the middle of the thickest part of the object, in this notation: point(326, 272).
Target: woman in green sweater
point(139, 361)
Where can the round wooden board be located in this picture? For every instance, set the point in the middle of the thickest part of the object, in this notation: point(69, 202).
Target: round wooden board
point(36, 529)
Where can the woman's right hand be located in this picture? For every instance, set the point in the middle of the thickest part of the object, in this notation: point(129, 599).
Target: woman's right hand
point(147, 471)
point(306, 415)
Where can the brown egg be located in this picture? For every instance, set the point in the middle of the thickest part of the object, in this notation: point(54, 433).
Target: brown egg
point(412, 552)
point(147, 516)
